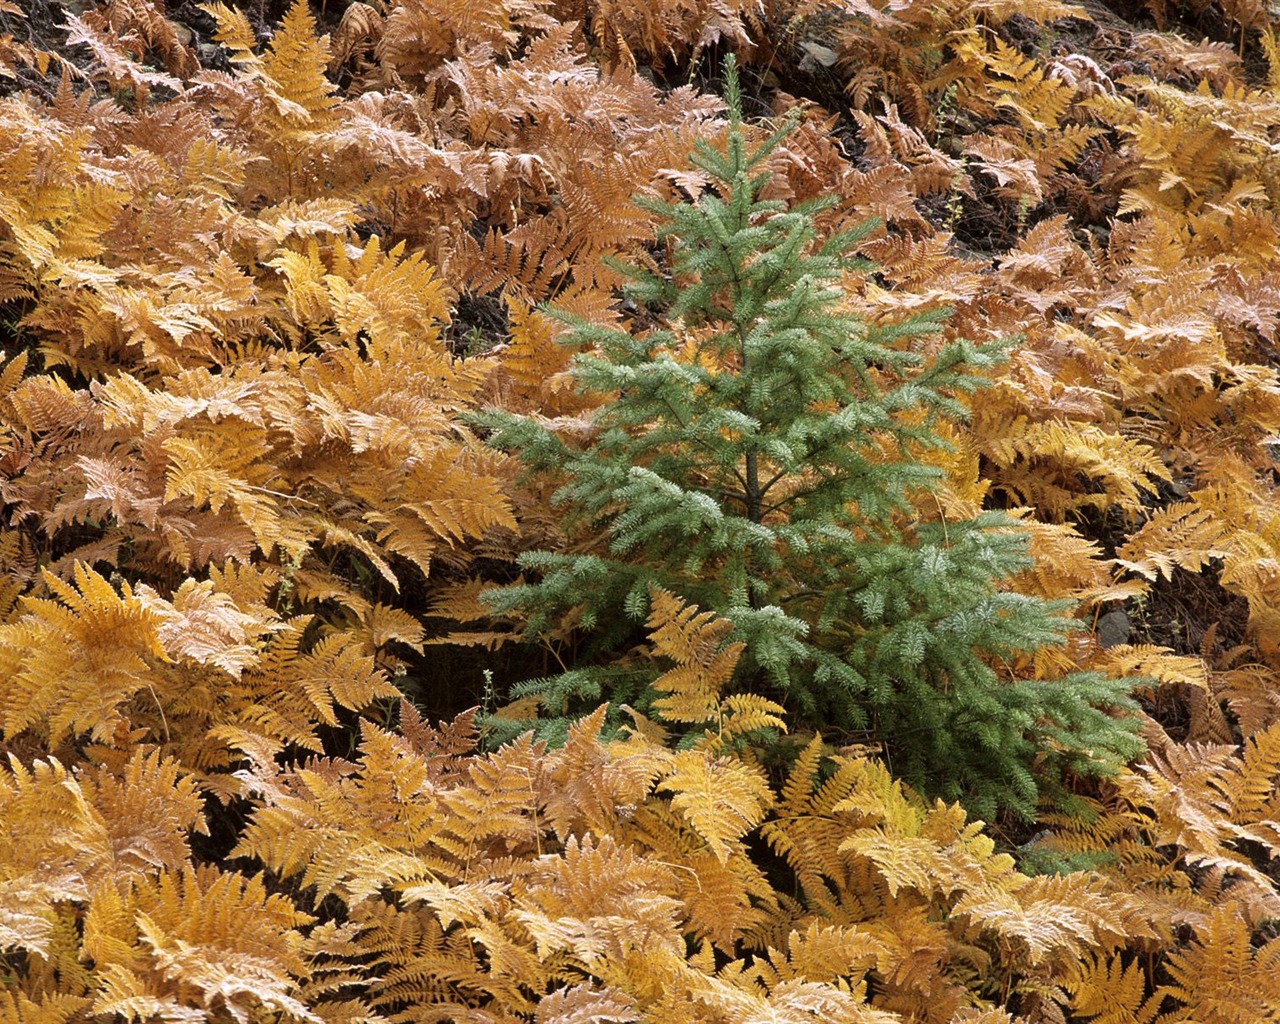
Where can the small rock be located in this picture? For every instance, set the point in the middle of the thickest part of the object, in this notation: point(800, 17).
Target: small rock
point(1113, 629)
point(819, 54)
point(184, 34)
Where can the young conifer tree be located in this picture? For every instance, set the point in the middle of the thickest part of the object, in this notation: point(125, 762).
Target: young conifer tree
point(756, 462)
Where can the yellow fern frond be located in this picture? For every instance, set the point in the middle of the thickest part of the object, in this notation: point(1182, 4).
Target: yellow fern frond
point(704, 664)
point(1058, 917)
point(148, 807)
point(1108, 991)
point(294, 69)
point(721, 799)
point(234, 33)
point(48, 1008)
point(1183, 535)
point(182, 940)
point(1158, 663)
point(1222, 976)
point(74, 660)
point(344, 828)
point(61, 850)
point(1038, 100)
point(588, 785)
point(209, 627)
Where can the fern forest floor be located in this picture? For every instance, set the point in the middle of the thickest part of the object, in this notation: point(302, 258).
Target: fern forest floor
point(261, 263)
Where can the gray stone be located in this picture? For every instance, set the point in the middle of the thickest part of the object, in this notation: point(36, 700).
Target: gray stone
point(818, 54)
point(1113, 629)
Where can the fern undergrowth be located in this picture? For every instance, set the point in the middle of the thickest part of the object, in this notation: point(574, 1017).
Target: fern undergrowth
point(822, 455)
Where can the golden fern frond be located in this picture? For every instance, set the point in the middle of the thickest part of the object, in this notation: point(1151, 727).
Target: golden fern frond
point(1124, 467)
point(403, 295)
point(417, 960)
point(1038, 99)
point(725, 902)
point(1184, 535)
point(854, 841)
point(530, 359)
point(344, 828)
point(695, 641)
point(302, 220)
point(41, 170)
point(74, 660)
point(340, 671)
point(490, 813)
point(1049, 918)
point(208, 627)
point(683, 633)
point(357, 35)
point(1222, 976)
point(798, 791)
point(449, 499)
point(294, 70)
point(282, 696)
point(149, 806)
point(61, 851)
point(1108, 991)
point(184, 940)
point(692, 690)
point(1180, 787)
point(1249, 789)
point(1158, 663)
point(234, 33)
point(1067, 564)
point(825, 953)
point(1047, 267)
point(595, 875)
point(801, 1002)
point(228, 468)
point(59, 968)
point(48, 1008)
point(722, 799)
point(497, 262)
point(589, 785)
point(743, 713)
point(27, 919)
point(1251, 693)
point(586, 1003)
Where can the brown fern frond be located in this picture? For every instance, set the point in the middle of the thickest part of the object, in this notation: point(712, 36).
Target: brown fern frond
point(118, 59)
point(418, 37)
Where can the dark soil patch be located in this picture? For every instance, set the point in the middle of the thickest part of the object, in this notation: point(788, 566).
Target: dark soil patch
point(1178, 613)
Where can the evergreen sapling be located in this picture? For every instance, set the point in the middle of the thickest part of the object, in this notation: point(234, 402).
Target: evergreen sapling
point(759, 460)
